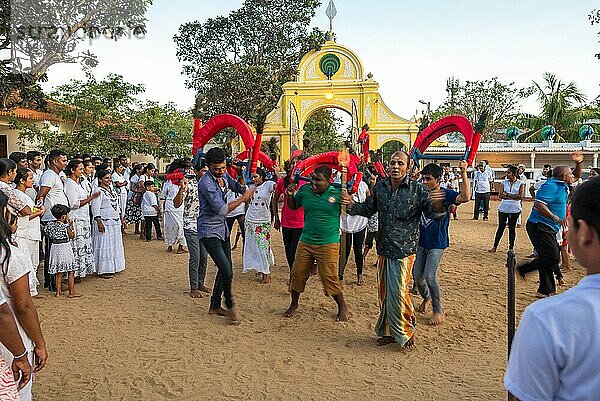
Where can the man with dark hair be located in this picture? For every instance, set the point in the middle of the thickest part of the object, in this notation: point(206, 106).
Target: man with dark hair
point(546, 219)
point(212, 228)
point(51, 193)
point(320, 239)
point(482, 186)
point(555, 352)
point(400, 202)
point(20, 160)
point(434, 239)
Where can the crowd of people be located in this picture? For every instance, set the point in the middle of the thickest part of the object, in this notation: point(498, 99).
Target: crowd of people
point(70, 216)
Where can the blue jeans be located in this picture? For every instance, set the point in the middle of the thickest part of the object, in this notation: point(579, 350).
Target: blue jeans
point(197, 261)
point(220, 253)
point(425, 274)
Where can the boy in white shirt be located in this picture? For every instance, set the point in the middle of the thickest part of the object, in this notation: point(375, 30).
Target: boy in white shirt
point(556, 349)
point(151, 211)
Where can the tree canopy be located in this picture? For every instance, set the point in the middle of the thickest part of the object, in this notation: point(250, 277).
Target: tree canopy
point(501, 102)
point(239, 62)
point(105, 118)
point(321, 130)
point(595, 19)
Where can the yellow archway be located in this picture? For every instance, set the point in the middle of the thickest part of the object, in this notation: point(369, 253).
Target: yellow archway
point(334, 77)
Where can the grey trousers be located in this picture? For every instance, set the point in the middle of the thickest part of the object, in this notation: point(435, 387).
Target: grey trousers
point(198, 259)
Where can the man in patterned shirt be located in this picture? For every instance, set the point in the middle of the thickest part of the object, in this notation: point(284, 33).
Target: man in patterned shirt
point(400, 201)
point(198, 256)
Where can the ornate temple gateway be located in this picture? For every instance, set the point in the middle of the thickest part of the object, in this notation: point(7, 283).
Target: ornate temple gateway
point(333, 77)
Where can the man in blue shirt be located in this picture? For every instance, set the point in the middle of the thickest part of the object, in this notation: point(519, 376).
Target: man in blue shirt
point(546, 218)
point(212, 228)
point(433, 240)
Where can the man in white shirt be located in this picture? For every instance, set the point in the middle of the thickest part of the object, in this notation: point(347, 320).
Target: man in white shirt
point(482, 186)
point(556, 349)
point(51, 193)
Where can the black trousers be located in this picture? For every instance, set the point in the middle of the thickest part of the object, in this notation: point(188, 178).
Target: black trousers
point(543, 239)
point(240, 219)
point(503, 220)
point(291, 236)
point(149, 221)
point(356, 241)
point(479, 199)
point(220, 253)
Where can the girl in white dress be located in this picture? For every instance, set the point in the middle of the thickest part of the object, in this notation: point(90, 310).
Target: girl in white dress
point(107, 239)
point(29, 235)
point(62, 260)
point(173, 216)
point(257, 247)
point(79, 199)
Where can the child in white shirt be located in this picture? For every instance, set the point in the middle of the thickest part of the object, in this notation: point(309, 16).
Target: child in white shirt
point(151, 211)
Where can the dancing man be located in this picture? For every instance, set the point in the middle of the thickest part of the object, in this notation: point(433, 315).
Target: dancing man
point(400, 201)
point(212, 228)
point(320, 239)
point(434, 239)
point(546, 219)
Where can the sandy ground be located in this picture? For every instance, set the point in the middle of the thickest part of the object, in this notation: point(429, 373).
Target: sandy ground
point(140, 336)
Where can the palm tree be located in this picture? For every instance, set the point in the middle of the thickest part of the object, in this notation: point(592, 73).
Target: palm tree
point(563, 107)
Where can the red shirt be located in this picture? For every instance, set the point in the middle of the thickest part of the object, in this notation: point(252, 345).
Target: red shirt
point(289, 218)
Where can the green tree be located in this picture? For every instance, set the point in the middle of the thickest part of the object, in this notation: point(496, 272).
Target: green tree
point(501, 101)
point(321, 130)
point(239, 62)
point(105, 118)
point(16, 88)
point(563, 106)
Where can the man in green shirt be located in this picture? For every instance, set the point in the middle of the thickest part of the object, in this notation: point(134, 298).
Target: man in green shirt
point(320, 240)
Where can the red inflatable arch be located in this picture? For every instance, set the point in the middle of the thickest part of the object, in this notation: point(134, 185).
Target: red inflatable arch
point(203, 134)
point(330, 159)
point(445, 126)
point(262, 157)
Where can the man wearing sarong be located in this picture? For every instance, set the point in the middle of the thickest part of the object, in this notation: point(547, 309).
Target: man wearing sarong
point(400, 201)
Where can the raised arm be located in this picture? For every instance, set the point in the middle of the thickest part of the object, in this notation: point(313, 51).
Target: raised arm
point(465, 190)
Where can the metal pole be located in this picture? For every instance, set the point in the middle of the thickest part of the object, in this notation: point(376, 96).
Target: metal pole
point(511, 264)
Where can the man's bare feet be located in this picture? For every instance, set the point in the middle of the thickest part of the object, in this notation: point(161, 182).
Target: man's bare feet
point(410, 344)
point(181, 250)
point(291, 310)
point(343, 315)
point(169, 249)
point(385, 340)
point(58, 294)
point(40, 296)
point(195, 294)
point(217, 311)
point(204, 289)
point(360, 279)
point(493, 250)
point(233, 319)
point(424, 306)
point(266, 279)
point(437, 319)
point(74, 295)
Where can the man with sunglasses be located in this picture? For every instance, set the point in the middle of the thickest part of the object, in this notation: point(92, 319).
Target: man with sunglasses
point(320, 239)
point(400, 201)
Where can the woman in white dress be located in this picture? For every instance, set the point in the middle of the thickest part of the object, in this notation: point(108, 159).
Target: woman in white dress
point(79, 199)
point(173, 216)
point(14, 284)
point(257, 247)
point(107, 240)
point(120, 185)
point(29, 235)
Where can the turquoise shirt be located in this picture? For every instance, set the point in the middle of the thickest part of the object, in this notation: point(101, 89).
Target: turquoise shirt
point(553, 193)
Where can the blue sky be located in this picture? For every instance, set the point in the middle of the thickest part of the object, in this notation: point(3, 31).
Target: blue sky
point(411, 47)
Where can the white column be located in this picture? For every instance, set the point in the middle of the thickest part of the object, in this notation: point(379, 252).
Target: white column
point(595, 160)
point(532, 158)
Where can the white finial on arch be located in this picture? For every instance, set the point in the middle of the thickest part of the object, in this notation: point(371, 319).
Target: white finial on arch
point(331, 13)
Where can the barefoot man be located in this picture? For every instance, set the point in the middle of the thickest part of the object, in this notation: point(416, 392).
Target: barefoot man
point(400, 201)
point(320, 240)
point(433, 240)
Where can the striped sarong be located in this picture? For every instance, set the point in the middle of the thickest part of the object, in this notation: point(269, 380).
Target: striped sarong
point(396, 312)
